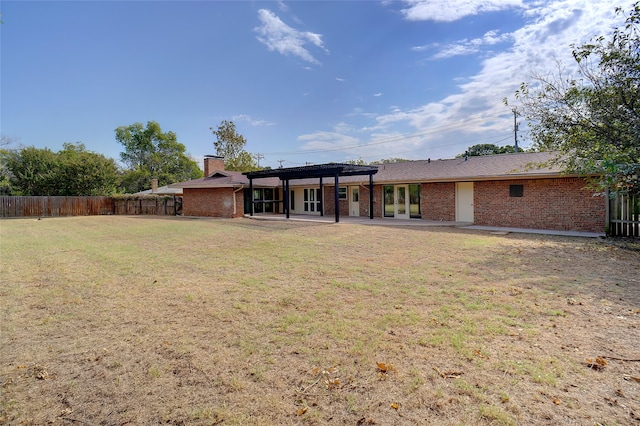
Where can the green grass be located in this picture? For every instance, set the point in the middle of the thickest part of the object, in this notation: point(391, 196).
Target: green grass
point(236, 321)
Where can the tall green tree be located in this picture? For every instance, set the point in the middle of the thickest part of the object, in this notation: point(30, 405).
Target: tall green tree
point(487, 149)
point(71, 171)
point(230, 145)
point(593, 119)
point(81, 172)
point(32, 171)
point(151, 153)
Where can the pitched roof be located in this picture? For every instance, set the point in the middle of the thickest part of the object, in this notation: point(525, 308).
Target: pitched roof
point(163, 190)
point(225, 179)
point(473, 168)
point(489, 167)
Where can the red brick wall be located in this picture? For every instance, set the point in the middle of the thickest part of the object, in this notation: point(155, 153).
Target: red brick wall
point(559, 204)
point(329, 195)
point(377, 200)
point(214, 202)
point(438, 201)
point(328, 203)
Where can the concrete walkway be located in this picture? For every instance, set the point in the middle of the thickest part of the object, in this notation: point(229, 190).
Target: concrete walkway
point(419, 223)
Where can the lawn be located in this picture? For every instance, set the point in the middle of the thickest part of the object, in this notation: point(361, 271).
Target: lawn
point(148, 320)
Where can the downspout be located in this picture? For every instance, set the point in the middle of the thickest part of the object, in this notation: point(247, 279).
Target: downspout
point(235, 209)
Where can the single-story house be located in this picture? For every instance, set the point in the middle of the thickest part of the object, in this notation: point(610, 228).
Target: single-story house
point(505, 190)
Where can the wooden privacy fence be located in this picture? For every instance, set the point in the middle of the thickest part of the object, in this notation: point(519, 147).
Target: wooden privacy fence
point(624, 216)
point(149, 205)
point(87, 206)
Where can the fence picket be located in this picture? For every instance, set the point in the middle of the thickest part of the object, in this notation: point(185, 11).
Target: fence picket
point(624, 216)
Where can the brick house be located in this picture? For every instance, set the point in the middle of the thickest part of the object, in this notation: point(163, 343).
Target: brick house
point(498, 190)
point(220, 193)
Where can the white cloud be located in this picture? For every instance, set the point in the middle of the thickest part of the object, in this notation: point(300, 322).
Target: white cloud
point(328, 141)
point(465, 46)
point(278, 36)
point(252, 121)
point(340, 79)
point(377, 94)
point(452, 10)
point(476, 110)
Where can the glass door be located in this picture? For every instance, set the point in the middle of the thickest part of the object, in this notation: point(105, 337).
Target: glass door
point(401, 202)
point(396, 201)
point(354, 202)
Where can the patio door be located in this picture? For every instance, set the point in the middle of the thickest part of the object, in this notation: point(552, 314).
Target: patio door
point(396, 201)
point(311, 200)
point(354, 201)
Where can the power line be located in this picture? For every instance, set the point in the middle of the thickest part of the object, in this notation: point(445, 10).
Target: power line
point(447, 127)
point(446, 146)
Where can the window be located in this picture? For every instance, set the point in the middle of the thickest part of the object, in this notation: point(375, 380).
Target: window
point(516, 190)
point(342, 192)
point(292, 200)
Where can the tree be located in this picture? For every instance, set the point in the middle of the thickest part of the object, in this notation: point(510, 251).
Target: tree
point(31, 171)
point(390, 160)
point(81, 172)
point(486, 149)
point(71, 171)
point(230, 145)
point(593, 120)
point(151, 153)
point(5, 174)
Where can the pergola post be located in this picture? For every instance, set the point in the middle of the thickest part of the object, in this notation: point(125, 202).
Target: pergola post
point(251, 191)
point(287, 202)
point(320, 198)
point(370, 196)
point(336, 199)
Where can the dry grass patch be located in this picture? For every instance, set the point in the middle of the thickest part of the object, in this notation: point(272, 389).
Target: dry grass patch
point(116, 320)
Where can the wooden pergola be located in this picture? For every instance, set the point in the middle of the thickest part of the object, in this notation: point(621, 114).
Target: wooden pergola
point(319, 171)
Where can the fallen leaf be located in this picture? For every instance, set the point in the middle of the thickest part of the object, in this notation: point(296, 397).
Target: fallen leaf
point(480, 354)
point(395, 406)
point(382, 366)
point(556, 401)
point(302, 411)
point(598, 364)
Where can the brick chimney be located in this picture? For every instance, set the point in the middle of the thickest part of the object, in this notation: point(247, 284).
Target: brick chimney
point(154, 185)
point(212, 163)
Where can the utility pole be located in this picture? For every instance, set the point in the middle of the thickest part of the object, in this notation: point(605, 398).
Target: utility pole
point(280, 161)
point(258, 157)
point(515, 128)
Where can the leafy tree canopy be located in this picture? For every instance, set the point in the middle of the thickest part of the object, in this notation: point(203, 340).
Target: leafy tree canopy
point(151, 153)
point(593, 120)
point(390, 160)
point(71, 171)
point(230, 145)
point(486, 149)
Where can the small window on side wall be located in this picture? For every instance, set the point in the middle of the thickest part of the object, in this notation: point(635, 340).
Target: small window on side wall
point(516, 190)
point(342, 192)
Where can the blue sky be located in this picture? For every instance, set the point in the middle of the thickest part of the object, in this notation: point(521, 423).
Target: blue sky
point(304, 81)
